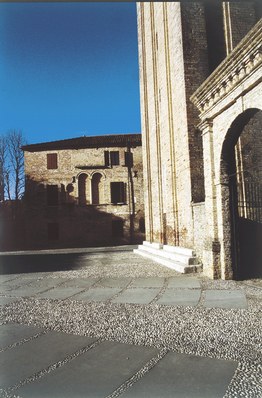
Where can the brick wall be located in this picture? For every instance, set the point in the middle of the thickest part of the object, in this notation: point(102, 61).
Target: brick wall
point(243, 18)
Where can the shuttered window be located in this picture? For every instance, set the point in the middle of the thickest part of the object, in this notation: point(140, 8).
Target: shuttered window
point(51, 161)
point(128, 159)
point(114, 158)
point(111, 158)
point(118, 192)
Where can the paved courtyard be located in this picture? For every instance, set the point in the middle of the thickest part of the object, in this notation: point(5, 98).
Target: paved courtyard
point(109, 323)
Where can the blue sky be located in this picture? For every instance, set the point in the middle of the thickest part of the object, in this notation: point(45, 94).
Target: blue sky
point(68, 69)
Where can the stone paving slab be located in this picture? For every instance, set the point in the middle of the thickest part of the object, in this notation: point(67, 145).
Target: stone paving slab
point(5, 288)
point(13, 333)
point(19, 282)
point(5, 278)
point(148, 282)
point(22, 361)
point(97, 373)
point(45, 283)
point(115, 282)
point(7, 300)
point(60, 292)
point(97, 294)
point(183, 282)
point(136, 296)
point(184, 376)
point(79, 282)
point(25, 291)
point(180, 297)
point(225, 299)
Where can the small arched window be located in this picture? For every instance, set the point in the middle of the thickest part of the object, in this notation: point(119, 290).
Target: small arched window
point(82, 189)
point(96, 188)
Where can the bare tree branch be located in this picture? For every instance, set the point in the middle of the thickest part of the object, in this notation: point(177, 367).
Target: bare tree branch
point(11, 165)
point(3, 153)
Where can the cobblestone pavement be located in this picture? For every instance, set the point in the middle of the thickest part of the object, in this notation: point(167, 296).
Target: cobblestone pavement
point(116, 324)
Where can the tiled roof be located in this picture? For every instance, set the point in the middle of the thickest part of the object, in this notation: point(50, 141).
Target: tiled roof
point(115, 140)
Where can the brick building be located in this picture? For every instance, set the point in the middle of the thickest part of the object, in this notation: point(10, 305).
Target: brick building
point(200, 88)
point(84, 192)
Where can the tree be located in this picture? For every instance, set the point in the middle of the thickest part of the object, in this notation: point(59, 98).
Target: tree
point(3, 153)
point(11, 165)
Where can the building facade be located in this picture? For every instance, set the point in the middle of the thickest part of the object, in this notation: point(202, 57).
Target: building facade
point(200, 89)
point(84, 192)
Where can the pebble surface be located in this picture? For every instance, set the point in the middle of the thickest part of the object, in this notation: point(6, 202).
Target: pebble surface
point(230, 334)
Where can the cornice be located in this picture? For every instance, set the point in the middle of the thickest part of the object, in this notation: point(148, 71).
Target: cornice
point(239, 64)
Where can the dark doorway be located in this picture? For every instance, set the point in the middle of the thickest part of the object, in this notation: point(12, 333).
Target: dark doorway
point(244, 162)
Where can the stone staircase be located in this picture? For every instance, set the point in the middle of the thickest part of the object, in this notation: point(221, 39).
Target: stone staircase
point(178, 258)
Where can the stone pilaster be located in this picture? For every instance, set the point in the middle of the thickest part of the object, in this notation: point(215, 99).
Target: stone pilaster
point(211, 255)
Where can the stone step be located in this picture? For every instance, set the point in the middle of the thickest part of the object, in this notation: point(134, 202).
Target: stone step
point(176, 265)
point(153, 245)
point(181, 250)
point(171, 254)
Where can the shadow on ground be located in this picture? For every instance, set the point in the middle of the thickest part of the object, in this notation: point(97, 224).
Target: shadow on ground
point(14, 264)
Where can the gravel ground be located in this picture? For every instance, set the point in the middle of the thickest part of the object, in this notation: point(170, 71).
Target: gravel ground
point(231, 334)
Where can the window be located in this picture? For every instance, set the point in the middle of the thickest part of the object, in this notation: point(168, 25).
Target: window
point(117, 228)
point(114, 158)
point(82, 189)
point(118, 192)
point(52, 195)
point(53, 231)
point(96, 188)
point(111, 158)
point(51, 161)
point(128, 159)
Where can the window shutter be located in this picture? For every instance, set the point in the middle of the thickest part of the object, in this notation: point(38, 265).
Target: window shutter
point(106, 153)
point(51, 161)
point(122, 192)
point(113, 192)
point(114, 158)
point(118, 192)
point(128, 159)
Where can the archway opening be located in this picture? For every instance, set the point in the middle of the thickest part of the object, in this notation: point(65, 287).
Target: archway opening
point(82, 189)
point(241, 170)
point(96, 188)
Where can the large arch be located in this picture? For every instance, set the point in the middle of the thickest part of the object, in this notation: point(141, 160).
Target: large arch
point(241, 193)
point(227, 102)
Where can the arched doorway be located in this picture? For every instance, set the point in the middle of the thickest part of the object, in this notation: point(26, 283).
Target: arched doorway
point(82, 189)
point(241, 168)
point(96, 188)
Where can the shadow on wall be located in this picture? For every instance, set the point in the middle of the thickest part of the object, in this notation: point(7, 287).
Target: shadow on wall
point(241, 171)
point(12, 225)
point(50, 217)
